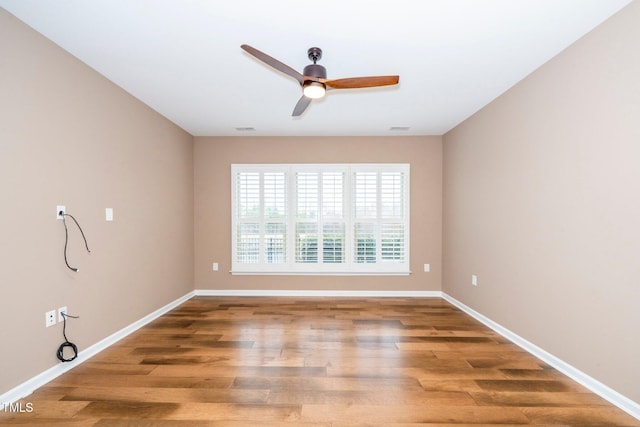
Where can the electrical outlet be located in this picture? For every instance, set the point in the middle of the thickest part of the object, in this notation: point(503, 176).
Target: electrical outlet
point(427, 268)
point(50, 318)
point(215, 266)
point(108, 214)
point(59, 209)
point(60, 311)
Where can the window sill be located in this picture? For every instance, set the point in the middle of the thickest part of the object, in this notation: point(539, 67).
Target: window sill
point(320, 273)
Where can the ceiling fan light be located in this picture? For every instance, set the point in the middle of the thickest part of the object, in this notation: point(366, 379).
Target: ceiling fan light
point(314, 90)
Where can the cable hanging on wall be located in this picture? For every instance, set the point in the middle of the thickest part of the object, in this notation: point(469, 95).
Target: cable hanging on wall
point(66, 237)
point(66, 343)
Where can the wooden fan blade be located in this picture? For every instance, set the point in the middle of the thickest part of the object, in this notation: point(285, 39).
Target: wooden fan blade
point(272, 62)
point(302, 105)
point(359, 82)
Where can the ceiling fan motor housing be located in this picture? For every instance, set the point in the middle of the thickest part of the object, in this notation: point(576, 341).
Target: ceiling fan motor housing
point(315, 70)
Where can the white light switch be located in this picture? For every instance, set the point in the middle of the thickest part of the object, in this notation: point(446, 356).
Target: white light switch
point(215, 266)
point(474, 280)
point(427, 268)
point(108, 213)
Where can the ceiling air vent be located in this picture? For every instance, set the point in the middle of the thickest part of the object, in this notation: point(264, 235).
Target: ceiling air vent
point(399, 128)
point(246, 129)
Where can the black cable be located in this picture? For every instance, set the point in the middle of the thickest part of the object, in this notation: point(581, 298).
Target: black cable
point(66, 238)
point(66, 343)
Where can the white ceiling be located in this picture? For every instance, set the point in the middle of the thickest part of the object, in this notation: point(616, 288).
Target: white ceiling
point(183, 57)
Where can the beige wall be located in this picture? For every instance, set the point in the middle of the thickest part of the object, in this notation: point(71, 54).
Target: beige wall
point(542, 202)
point(68, 136)
point(214, 155)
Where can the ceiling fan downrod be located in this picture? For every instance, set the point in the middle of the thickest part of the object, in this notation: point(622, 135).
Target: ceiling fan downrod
point(315, 54)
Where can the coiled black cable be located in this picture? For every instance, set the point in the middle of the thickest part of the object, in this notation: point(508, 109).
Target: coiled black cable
point(66, 343)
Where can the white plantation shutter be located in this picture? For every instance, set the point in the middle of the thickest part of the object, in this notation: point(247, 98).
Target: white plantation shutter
point(391, 194)
point(332, 194)
point(306, 242)
point(392, 242)
point(365, 242)
point(248, 227)
point(248, 195)
point(320, 219)
point(366, 194)
point(306, 217)
point(275, 195)
point(392, 207)
point(275, 243)
point(333, 218)
point(275, 213)
point(333, 242)
point(307, 195)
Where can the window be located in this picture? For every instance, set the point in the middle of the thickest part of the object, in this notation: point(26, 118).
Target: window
point(320, 219)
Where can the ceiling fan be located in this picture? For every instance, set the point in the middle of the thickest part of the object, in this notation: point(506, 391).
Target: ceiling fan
point(313, 79)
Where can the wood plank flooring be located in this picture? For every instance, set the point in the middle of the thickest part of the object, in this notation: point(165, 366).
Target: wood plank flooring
point(312, 362)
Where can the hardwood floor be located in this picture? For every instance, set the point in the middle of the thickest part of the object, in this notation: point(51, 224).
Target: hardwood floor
point(245, 361)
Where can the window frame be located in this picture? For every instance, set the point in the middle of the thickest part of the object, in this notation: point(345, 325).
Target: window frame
point(349, 219)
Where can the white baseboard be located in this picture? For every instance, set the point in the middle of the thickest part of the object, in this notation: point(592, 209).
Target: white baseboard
point(317, 293)
point(55, 371)
point(629, 406)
